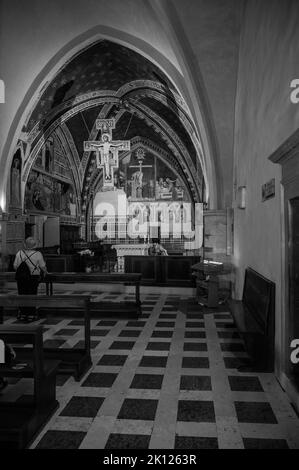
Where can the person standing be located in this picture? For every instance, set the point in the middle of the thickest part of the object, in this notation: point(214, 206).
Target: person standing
point(29, 265)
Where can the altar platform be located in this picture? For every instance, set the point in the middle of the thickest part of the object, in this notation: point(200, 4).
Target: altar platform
point(165, 271)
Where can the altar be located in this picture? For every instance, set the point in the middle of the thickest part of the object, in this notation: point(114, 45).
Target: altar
point(129, 249)
point(144, 198)
point(164, 271)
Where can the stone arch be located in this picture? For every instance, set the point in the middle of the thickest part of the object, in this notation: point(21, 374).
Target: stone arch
point(66, 53)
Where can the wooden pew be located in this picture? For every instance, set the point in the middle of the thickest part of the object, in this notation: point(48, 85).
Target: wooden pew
point(103, 307)
point(72, 361)
point(254, 317)
point(9, 276)
point(99, 309)
point(21, 421)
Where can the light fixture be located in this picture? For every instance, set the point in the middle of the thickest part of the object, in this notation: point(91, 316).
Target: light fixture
point(241, 197)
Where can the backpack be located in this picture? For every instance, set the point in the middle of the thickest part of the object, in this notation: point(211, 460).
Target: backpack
point(22, 271)
point(9, 355)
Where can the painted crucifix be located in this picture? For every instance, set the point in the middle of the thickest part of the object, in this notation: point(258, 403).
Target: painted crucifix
point(137, 177)
point(107, 150)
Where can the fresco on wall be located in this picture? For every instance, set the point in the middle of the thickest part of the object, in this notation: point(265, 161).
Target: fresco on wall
point(145, 177)
point(52, 159)
point(50, 187)
point(168, 185)
point(46, 194)
point(15, 180)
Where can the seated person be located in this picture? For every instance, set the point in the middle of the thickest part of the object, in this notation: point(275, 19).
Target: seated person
point(157, 249)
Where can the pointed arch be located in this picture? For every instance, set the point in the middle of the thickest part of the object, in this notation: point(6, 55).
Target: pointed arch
point(80, 43)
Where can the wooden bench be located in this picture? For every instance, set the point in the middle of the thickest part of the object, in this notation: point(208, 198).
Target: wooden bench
point(103, 308)
point(20, 421)
point(100, 309)
point(10, 276)
point(255, 319)
point(72, 361)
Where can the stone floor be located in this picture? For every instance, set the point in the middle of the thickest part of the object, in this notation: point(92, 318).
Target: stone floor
point(169, 380)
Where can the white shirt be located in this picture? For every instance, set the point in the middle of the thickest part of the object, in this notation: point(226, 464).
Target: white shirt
point(36, 257)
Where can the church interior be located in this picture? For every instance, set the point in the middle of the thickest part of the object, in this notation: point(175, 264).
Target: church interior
point(151, 150)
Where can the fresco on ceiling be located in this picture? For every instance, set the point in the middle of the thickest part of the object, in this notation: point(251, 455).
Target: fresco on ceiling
point(145, 177)
point(104, 65)
point(50, 187)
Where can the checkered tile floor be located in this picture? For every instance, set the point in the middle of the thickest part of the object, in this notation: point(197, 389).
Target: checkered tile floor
point(169, 380)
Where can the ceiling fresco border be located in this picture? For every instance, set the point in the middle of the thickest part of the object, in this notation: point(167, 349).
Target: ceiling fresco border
point(182, 115)
point(121, 93)
point(69, 145)
point(62, 107)
point(45, 133)
point(136, 84)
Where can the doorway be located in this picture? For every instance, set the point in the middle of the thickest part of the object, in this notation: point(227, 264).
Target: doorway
point(287, 156)
point(293, 243)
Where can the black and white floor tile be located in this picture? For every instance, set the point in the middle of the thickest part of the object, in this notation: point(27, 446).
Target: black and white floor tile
point(167, 380)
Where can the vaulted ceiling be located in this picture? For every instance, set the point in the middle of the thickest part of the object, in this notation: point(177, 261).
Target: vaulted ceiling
point(108, 80)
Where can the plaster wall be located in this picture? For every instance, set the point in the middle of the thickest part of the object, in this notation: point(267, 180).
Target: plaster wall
point(212, 30)
point(32, 32)
point(265, 117)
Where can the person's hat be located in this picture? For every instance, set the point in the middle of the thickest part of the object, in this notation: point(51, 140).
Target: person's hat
point(30, 243)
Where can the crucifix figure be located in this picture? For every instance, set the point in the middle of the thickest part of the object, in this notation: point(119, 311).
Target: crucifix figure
point(107, 150)
point(137, 176)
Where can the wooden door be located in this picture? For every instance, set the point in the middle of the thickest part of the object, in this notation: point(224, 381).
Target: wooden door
point(294, 273)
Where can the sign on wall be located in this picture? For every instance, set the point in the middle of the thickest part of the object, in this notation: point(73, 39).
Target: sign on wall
point(268, 190)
